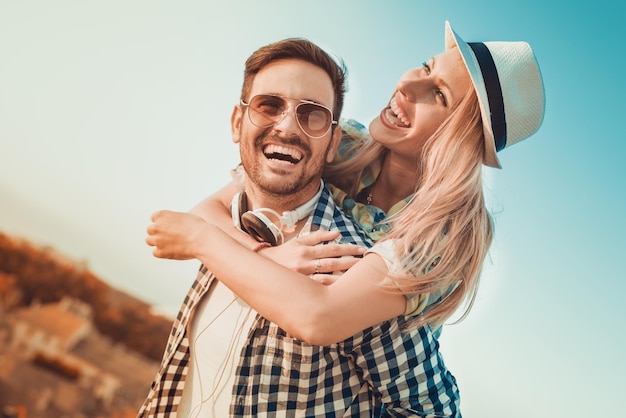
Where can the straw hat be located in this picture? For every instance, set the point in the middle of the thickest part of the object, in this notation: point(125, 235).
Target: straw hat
point(510, 91)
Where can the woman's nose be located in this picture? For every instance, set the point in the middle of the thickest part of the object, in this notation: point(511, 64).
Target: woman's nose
point(412, 84)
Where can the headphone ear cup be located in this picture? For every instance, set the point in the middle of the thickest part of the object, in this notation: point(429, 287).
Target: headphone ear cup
point(242, 205)
point(238, 206)
point(257, 228)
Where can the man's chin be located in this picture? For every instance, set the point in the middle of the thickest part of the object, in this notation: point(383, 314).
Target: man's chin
point(282, 189)
point(280, 185)
point(276, 184)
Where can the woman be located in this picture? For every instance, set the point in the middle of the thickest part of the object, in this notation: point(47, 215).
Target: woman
point(443, 122)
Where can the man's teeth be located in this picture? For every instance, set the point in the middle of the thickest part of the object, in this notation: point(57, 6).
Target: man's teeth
point(399, 114)
point(282, 153)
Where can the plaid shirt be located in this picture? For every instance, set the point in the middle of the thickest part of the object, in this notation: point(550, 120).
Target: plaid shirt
point(382, 371)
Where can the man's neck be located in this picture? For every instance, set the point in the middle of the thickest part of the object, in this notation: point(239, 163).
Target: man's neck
point(258, 198)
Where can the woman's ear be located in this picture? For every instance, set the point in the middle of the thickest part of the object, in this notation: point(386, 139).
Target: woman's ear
point(235, 123)
point(334, 143)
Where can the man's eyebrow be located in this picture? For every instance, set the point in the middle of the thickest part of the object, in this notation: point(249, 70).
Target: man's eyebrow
point(304, 99)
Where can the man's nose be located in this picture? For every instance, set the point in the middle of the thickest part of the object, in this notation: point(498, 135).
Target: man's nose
point(288, 123)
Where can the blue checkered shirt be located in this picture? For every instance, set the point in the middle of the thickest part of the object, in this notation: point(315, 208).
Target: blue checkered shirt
point(384, 370)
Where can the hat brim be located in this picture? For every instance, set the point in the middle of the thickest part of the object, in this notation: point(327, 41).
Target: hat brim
point(473, 68)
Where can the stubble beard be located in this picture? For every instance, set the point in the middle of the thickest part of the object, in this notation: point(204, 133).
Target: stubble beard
point(281, 189)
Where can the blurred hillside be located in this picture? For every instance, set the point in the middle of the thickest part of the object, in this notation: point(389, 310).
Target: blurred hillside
point(71, 345)
point(31, 273)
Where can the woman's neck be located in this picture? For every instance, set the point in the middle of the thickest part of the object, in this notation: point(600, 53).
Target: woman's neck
point(396, 181)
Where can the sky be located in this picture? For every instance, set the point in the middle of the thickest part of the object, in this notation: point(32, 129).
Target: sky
point(112, 110)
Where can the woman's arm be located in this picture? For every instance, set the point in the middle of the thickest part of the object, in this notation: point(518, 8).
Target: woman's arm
point(299, 255)
point(305, 308)
point(216, 210)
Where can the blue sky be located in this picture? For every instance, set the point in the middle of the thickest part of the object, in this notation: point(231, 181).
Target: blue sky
point(112, 110)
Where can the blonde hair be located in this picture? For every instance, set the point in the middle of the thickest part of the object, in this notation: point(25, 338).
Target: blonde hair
point(444, 233)
point(347, 169)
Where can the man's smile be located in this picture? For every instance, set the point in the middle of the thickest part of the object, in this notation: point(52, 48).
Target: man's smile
point(282, 153)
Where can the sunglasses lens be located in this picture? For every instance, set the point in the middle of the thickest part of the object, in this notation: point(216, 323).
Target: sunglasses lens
point(266, 110)
point(314, 119)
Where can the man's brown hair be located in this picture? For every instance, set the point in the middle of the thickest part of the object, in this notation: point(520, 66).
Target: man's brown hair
point(302, 49)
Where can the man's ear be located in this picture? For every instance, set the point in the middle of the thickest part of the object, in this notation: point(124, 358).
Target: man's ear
point(334, 143)
point(235, 123)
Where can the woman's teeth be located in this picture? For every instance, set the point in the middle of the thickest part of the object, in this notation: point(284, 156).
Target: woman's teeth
point(399, 114)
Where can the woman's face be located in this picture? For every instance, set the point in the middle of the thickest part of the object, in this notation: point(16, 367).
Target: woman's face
point(423, 99)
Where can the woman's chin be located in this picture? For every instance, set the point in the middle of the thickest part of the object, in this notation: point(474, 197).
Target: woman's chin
point(378, 130)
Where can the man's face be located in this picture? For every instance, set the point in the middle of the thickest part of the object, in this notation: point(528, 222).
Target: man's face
point(281, 159)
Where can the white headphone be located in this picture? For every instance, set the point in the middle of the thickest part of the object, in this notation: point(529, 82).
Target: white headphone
point(259, 226)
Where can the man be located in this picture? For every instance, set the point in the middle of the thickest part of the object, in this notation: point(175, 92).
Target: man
point(223, 359)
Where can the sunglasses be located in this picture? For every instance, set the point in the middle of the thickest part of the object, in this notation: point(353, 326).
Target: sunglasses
point(265, 110)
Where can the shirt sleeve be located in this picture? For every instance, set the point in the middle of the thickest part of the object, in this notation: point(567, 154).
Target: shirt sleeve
point(353, 134)
point(415, 303)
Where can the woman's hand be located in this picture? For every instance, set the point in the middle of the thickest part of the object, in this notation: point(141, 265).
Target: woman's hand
point(177, 235)
point(304, 255)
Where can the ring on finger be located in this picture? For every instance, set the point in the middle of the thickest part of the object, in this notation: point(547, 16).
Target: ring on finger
point(318, 265)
